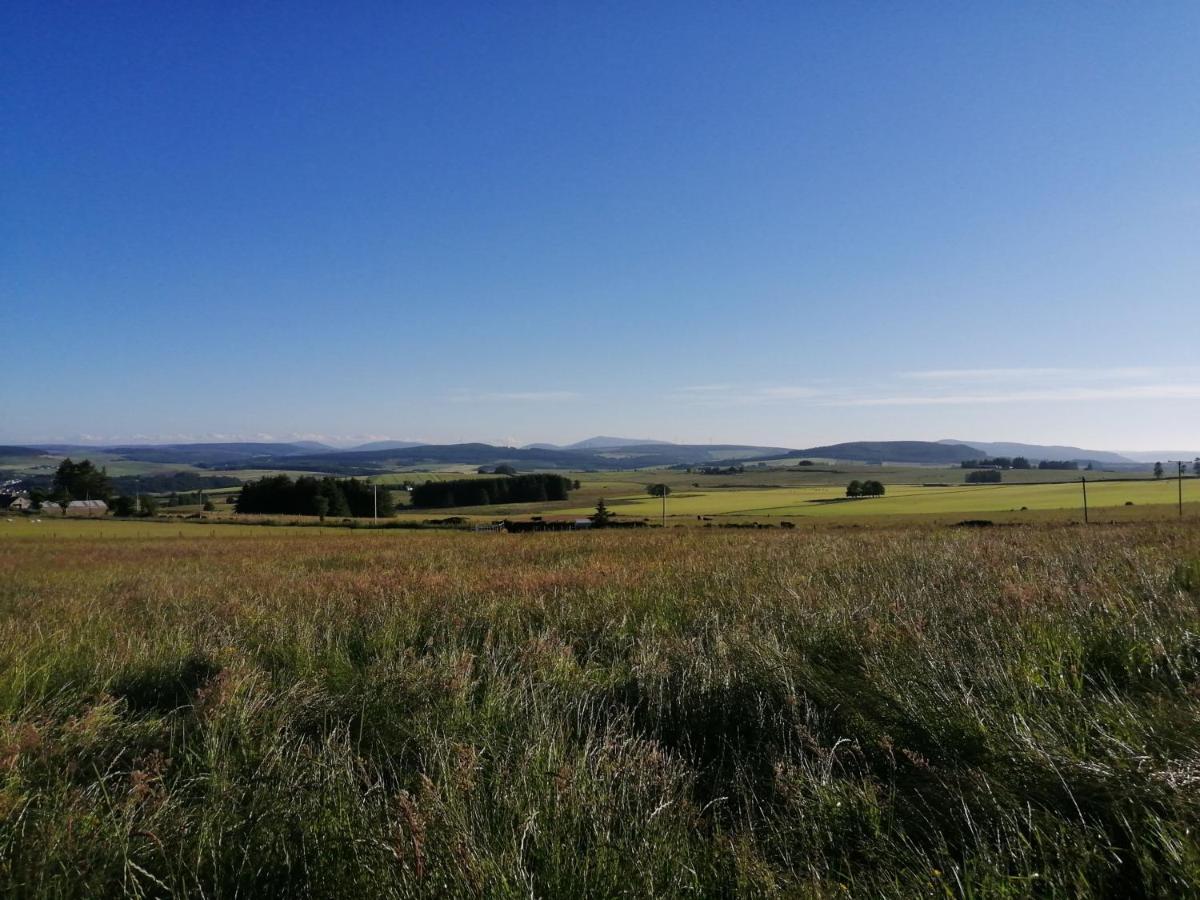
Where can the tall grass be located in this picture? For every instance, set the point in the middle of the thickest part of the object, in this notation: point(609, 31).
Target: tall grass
point(1008, 712)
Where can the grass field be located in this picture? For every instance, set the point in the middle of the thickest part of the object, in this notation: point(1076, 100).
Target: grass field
point(897, 713)
point(901, 499)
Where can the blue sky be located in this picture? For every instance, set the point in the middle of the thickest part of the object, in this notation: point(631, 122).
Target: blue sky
point(769, 223)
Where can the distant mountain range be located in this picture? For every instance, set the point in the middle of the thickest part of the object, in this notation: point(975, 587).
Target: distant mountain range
point(1150, 456)
point(379, 445)
point(928, 452)
point(600, 442)
point(1042, 451)
point(601, 452)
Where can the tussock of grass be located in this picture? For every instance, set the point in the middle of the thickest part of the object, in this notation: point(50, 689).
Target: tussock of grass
point(999, 712)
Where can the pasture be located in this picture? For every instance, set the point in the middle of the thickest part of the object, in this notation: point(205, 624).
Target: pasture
point(902, 500)
point(887, 713)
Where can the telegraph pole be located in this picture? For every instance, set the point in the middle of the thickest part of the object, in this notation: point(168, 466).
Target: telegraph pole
point(375, 517)
point(664, 513)
point(1083, 482)
point(1179, 464)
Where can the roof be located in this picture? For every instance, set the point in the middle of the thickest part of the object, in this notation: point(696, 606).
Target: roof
point(87, 504)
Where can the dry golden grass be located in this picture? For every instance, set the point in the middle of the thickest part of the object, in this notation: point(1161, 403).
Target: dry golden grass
point(1007, 711)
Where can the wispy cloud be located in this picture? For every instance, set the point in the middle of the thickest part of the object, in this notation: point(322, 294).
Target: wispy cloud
point(742, 395)
point(211, 437)
point(1115, 373)
point(1046, 395)
point(964, 387)
point(468, 396)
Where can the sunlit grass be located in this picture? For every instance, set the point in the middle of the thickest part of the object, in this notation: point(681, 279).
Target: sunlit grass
point(690, 712)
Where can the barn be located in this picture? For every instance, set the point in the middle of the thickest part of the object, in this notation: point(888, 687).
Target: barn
point(87, 509)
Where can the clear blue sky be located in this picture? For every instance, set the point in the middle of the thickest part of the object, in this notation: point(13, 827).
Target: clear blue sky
point(776, 223)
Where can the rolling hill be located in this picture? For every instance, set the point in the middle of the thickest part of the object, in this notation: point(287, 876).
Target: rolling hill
point(1041, 451)
point(925, 452)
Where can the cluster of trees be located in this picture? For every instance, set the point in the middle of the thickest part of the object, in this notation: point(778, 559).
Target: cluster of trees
point(1058, 464)
point(858, 488)
point(983, 476)
point(1158, 468)
point(312, 496)
point(998, 462)
point(717, 470)
point(142, 505)
point(80, 481)
point(658, 490)
point(486, 491)
point(502, 469)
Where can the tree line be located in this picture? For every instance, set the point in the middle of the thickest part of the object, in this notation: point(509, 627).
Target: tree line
point(487, 491)
point(983, 476)
point(312, 496)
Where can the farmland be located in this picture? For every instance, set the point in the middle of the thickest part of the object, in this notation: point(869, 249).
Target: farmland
point(829, 502)
point(248, 711)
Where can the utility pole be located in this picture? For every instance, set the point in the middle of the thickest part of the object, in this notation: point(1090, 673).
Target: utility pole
point(664, 513)
point(1179, 479)
point(375, 518)
point(1083, 481)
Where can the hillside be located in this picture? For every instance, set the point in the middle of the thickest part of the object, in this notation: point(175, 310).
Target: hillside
point(1040, 451)
point(892, 451)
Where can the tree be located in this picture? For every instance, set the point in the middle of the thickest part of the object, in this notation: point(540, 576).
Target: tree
point(322, 505)
point(208, 506)
point(854, 489)
point(658, 490)
point(1196, 467)
point(1020, 462)
point(81, 481)
point(601, 516)
point(872, 489)
point(504, 469)
point(1158, 470)
point(123, 506)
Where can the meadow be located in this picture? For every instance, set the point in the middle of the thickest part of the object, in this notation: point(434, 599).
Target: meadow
point(891, 712)
point(901, 499)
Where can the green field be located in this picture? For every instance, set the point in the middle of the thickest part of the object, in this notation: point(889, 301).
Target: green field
point(830, 502)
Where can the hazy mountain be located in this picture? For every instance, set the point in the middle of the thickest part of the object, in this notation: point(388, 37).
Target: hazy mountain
point(210, 454)
point(1042, 451)
point(632, 456)
point(892, 451)
point(381, 445)
point(600, 442)
point(601, 452)
point(1161, 456)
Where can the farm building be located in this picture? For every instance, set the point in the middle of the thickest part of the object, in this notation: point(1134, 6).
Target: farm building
point(20, 504)
point(87, 509)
